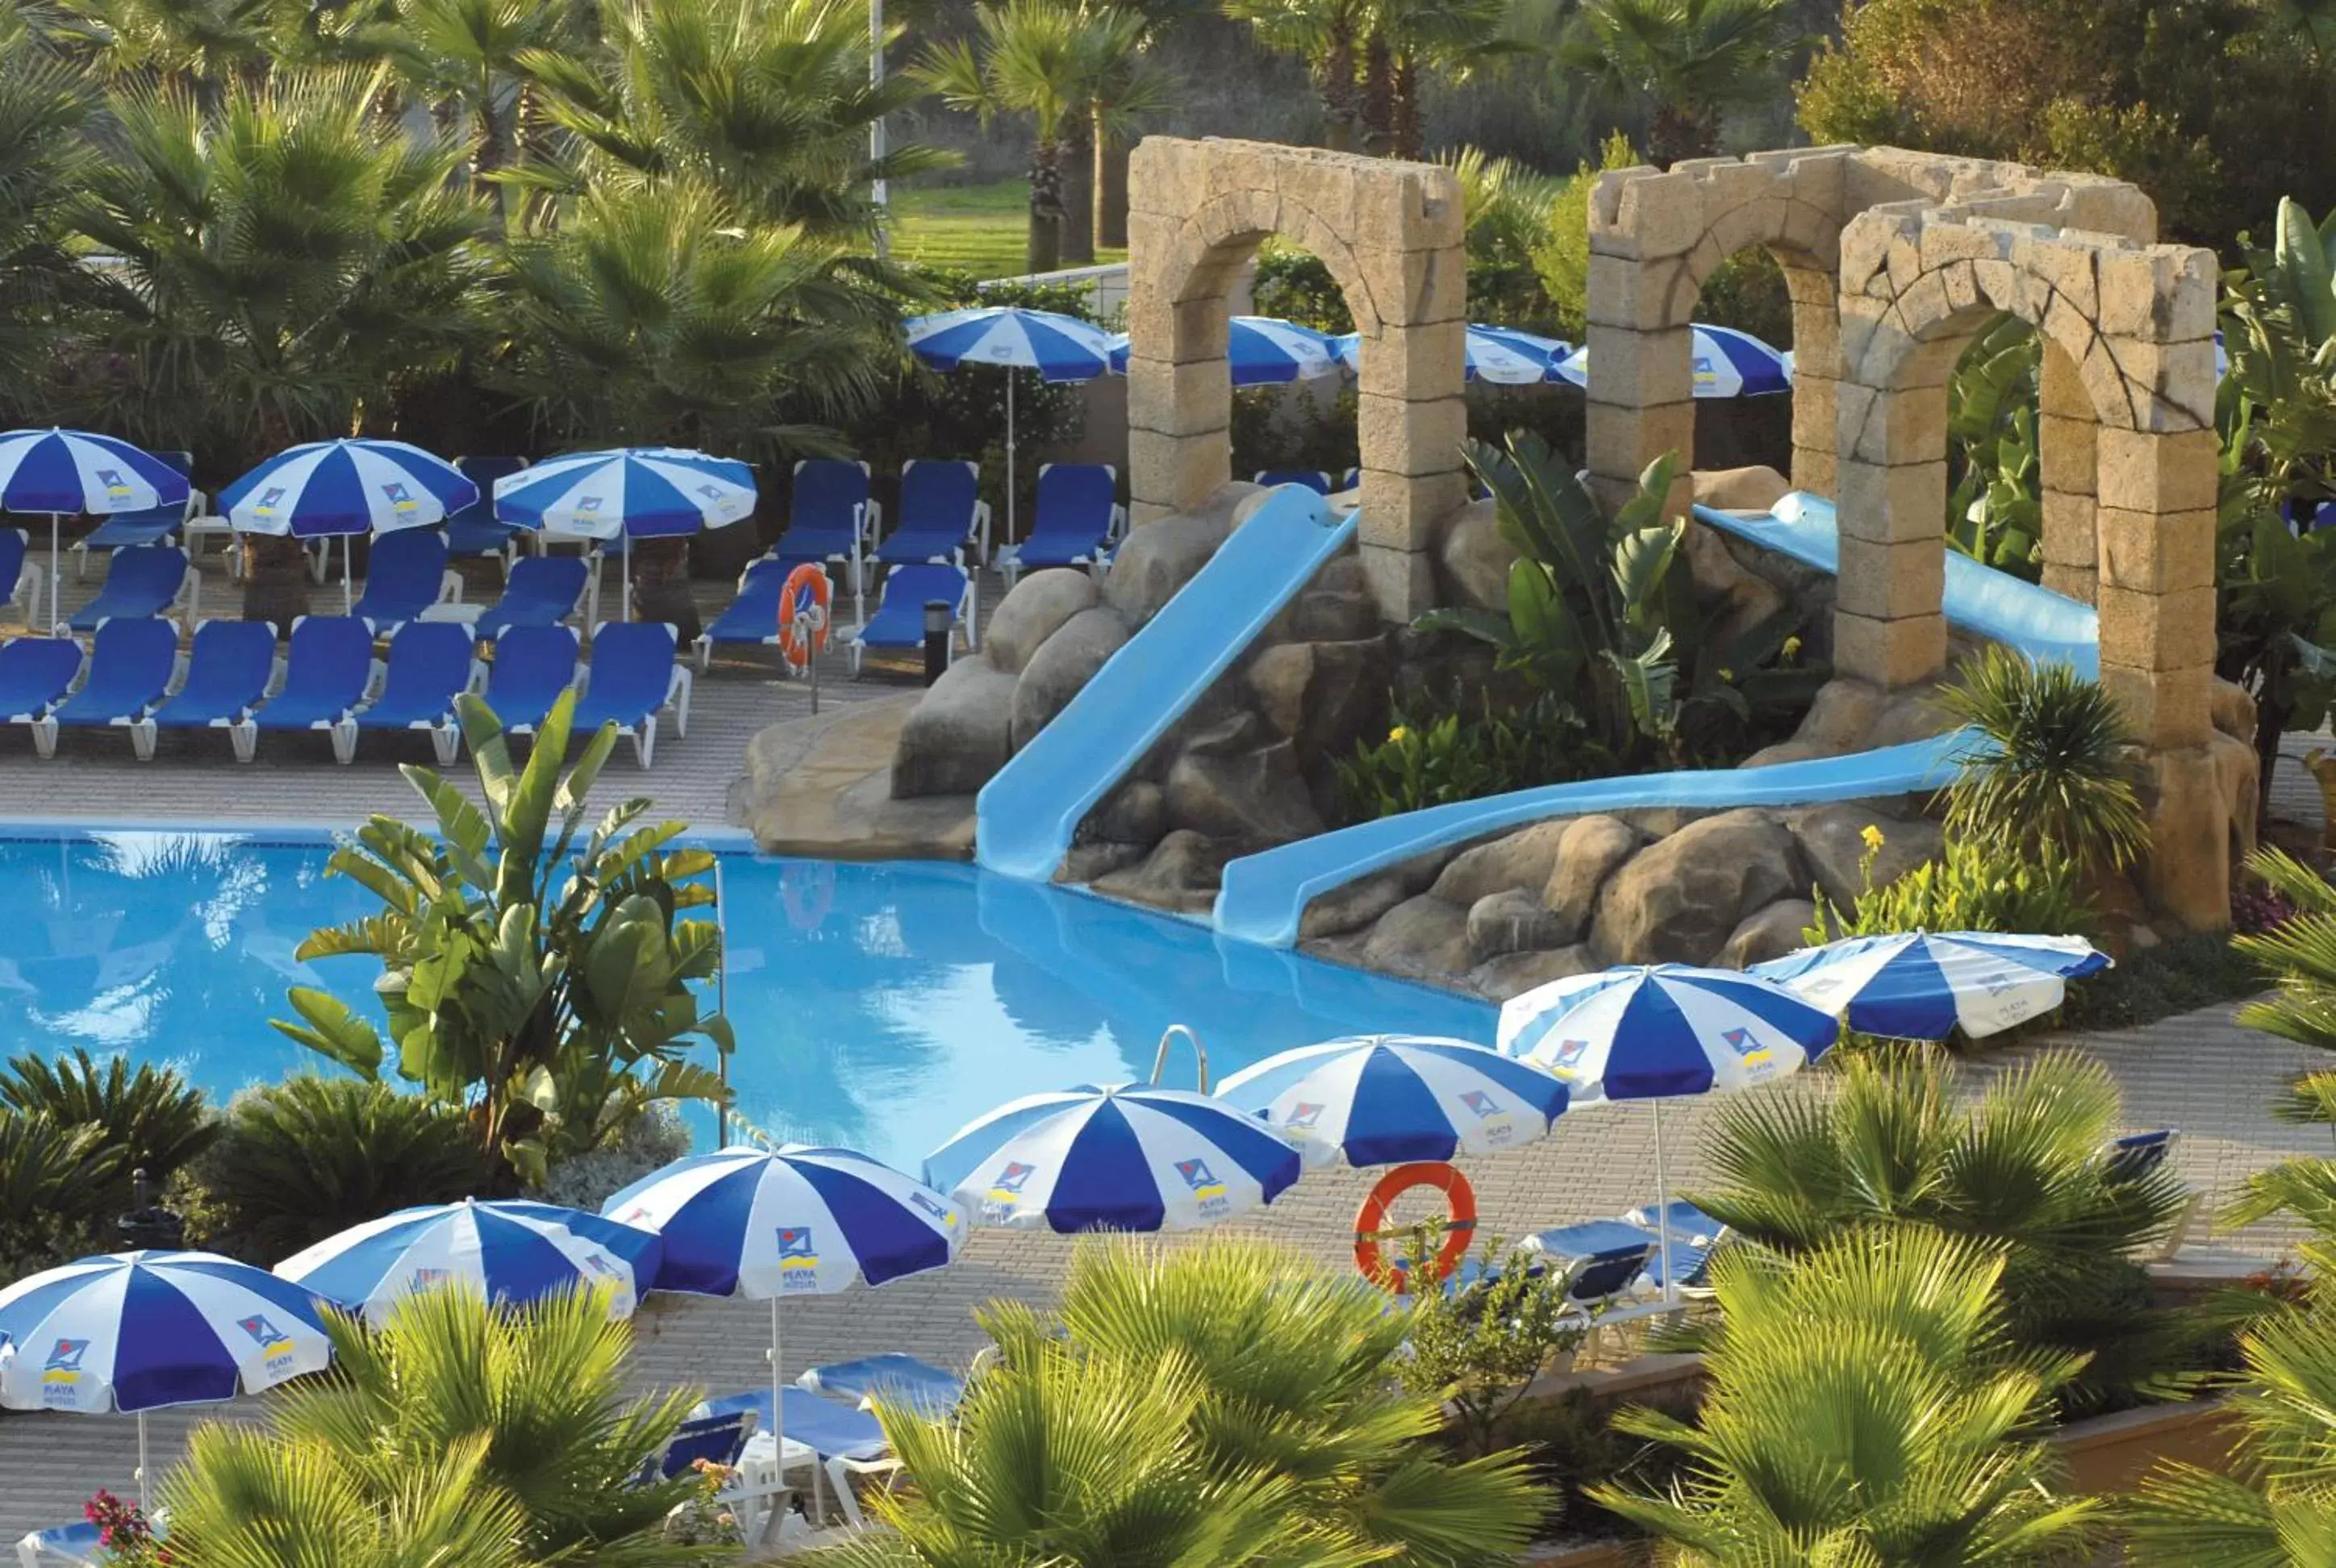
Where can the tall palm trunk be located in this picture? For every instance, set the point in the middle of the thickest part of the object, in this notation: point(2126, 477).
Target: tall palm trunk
point(1378, 93)
point(1409, 140)
point(1111, 189)
point(1681, 132)
point(1076, 240)
point(1044, 252)
point(1340, 111)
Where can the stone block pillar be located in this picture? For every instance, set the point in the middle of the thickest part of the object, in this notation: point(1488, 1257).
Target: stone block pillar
point(1643, 227)
point(1410, 415)
point(1817, 376)
point(2067, 436)
point(1889, 627)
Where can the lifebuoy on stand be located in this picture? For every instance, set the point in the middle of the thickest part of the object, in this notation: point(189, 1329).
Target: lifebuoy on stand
point(1371, 1222)
point(803, 619)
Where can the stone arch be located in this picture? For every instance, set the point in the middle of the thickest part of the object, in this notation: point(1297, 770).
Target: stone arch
point(1391, 235)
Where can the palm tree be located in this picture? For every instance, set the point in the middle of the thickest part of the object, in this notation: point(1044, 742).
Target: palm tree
point(1693, 59)
point(1296, 1369)
point(1866, 1405)
point(45, 155)
point(284, 266)
point(2022, 1171)
point(1127, 86)
point(2053, 781)
point(767, 102)
point(528, 1405)
point(464, 56)
point(1328, 35)
point(1450, 38)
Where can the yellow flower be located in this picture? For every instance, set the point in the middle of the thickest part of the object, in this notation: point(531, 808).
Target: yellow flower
point(1792, 648)
point(1398, 736)
point(1873, 837)
point(1726, 674)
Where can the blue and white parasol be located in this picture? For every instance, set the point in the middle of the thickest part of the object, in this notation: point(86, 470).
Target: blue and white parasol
point(1263, 350)
point(1116, 1157)
point(788, 1221)
point(1387, 1099)
point(511, 1252)
point(1924, 985)
point(1500, 354)
point(627, 493)
point(1058, 348)
point(1728, 363)
point(1654, 1032)
point(328, 490)
point(60, 470)
point(140, 1331)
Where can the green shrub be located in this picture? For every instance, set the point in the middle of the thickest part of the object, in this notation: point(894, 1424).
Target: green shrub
point(2052, 781)
point(1974, 886)
point(1434, 760)
point(153, 1117)
point(55, 1184)
point(297, 1161)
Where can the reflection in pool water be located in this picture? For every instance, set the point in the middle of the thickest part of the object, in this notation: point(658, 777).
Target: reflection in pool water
point(879, 1007)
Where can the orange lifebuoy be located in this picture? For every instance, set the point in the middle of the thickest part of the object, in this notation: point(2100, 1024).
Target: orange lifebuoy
point(1459, 1228)
point(803, 613)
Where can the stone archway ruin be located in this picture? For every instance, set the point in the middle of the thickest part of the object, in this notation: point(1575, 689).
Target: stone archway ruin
point(1391, 235)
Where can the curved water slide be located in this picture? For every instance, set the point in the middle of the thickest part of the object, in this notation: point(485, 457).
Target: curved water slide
point(1264, 896)
point(1026, 815)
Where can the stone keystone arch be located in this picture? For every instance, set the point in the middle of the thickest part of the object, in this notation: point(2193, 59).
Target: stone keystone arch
point(1391, 235)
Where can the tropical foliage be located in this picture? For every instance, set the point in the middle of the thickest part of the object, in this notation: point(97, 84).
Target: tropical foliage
point(72, 1133)
point(458, 1433)
point(1598, 615)
point(2299, 953)
point(1432, 759)
point(1871, 1402)
point(1972, 886)
point(1369, 58)
point(1691, 60)
point(2023, 1173)
point(536, 975)
point(1223, 1404)
point(1995, 512)
point(2049, 780)
point(151, 1118)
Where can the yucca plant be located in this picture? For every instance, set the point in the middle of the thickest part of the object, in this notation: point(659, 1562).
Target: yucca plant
point(2023, 1170)
point(2052, 779)
point(299, 1160)
point(1297, 1372)
point(1868, 1406)
point(152, 1116)
point(531, 1402)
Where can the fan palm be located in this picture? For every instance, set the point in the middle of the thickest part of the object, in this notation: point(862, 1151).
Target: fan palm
point(531, 1400)
point(45, 108)
point(2300, 952)
point(1446, 38)
point(1295, 1367)
point(2024, 1170)
point(2052, 779)
point(765, 101)
point(1327, 34)
point(52, 1181)
point(1867, 1405)
point(1693, 59)
point(1123, 87)
point(463, 57)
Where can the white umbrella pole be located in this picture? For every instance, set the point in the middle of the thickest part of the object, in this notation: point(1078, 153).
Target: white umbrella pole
point(625, 612)
point(1010, 455)
point(1663, 1207)
point(348, 571)
point(57, 596)
point(142, 1505)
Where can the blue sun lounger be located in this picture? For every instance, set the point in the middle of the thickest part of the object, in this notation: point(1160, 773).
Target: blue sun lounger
point(1078, 517)
point(1603, 1259)
point(899, 622)
point(227, 674)
point(20, 579)
point(636, 673)
point(36, 674)
point(430, 665)
point(131, 663)
point(532, 667)
point(141, 584)
point(752, 619)
point(1695, 1237)
point(830, 519)
point(541, 590)
point(132, 530)
point(80, 1542)
point(893, 1378)
point(1313, 479)
point(942, 512)
point(328, 672)
point(845, 1441)
point(406, 574)
point(472, 533)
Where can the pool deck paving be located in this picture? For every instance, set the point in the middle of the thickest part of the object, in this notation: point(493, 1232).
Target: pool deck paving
point(2199, 1072)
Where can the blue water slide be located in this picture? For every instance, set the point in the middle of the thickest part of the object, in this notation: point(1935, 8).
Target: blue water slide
point(1264, 896)
point(1026, 815)
point(1996, 605)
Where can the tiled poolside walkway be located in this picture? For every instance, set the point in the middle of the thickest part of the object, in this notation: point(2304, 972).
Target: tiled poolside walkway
point(2200, 1073)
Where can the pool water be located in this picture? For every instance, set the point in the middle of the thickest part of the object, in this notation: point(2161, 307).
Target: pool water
point(877, 1006)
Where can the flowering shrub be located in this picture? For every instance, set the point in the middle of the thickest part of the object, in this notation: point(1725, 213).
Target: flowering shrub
point(2257, 907)
point(123, 1534)
point(700, 1520)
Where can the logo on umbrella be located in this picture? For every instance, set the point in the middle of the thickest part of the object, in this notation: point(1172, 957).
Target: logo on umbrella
point(798, 1258)
point(1304, 1116)
point(274, 1343)
point(1201, 1179)
point(111, 479)
point(266, 505)
point(1482, 1103)
point(63, 1365)
point(1569, 1056)
point(1007, 1186)
point(600, 1265)
point(425, 1279)
point(1704, 375)
point(939, 1211)
point(589, 504)
point(399, 496)
point(1753, 1054)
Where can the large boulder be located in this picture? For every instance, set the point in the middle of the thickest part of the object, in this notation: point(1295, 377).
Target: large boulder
point(1360, 902)
point(1679, 900)
point(1755, 489)
point(1833, 839)
point(1592, 850)
point(1509, 921)
point(1181, 875)
point(1034, 611)
point(1063, 665)
point(1423, 937)
point(1256, 796)
point(959, 736)
point(1137, 812)
point(1336, 606)
point(1519, 860)
point(1160, 557)
point(1768, 933)
point(1513, 974)
point(1475, 557)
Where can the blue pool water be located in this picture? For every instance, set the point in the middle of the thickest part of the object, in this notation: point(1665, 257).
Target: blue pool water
point(879, 1007)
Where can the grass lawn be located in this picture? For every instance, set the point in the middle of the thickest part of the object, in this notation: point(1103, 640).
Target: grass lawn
point(983, 228)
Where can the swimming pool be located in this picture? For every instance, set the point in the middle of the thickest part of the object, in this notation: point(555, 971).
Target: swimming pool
point(876, 1006)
